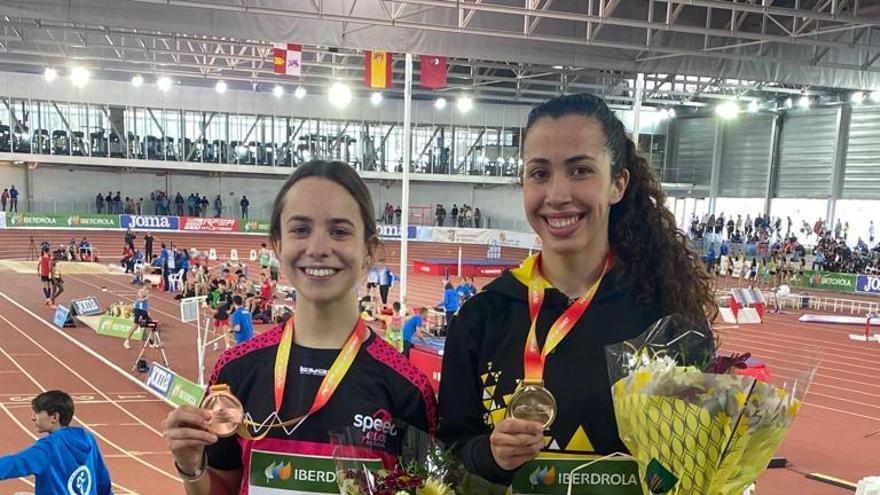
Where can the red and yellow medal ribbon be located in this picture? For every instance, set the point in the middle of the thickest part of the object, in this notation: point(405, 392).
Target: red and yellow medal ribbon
point(329, 384)
point(533, 356)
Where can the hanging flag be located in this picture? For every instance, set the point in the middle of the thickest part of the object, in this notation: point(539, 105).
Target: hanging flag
point(288, 59)
point(433, 71)
point(377, 69)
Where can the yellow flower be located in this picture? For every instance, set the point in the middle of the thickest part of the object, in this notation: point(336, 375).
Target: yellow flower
point(434, 486)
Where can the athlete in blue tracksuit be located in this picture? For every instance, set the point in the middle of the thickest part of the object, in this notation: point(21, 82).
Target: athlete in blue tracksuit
point(67, 460)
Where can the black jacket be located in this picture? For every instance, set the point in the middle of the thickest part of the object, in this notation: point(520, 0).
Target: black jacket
point(483, 359)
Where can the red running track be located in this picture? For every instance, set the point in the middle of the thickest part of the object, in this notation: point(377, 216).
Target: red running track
point(842, 406)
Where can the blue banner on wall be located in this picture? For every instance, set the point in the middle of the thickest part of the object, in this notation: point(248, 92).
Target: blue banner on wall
point(149, 222)
point(868, 284)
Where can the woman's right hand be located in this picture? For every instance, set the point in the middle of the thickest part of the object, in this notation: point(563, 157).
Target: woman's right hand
point(515, 441)
point(186, 429)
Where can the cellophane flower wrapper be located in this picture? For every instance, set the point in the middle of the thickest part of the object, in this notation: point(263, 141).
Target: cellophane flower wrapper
point(715, 432)
point(410, 462)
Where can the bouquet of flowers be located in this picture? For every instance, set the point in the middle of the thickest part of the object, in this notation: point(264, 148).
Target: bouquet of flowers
point(396, 459)
point(692, 422)
point(121, 309)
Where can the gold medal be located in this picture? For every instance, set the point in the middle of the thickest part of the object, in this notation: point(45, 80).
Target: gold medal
point(227, 413)
point(533, 402)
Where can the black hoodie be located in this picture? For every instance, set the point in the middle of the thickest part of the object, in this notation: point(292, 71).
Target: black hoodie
point(483, 361)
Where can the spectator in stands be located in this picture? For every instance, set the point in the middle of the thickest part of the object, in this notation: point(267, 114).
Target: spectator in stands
point(439, 215)
point(244, 203)
point(191, 201)
point(65, 451)
point(138, 206)
point(218, 206)
point(99, 203)
point(4, 197)
point(870, 231)
point(454, 214)
point(13, 199)
point(117, 202)
point(203, 206)
point(241, 322)
point(478, 218)
point(178, 203)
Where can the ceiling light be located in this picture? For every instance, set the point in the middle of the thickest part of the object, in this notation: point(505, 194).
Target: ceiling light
point(278, 91)
point(753, 106)
point(788, 103)
point(670, 113)
point(376, 98)
point(727, 110)
point(163, 83)
point(137, 81)
point(50, 74)
point(339, 95)
point(558, 67)
point(299, 93)
point(220, 87)
point(858, 97)
point(804, 102)
point(464, 104)
point(79, 77)
point(875, 96)
point(440, 103)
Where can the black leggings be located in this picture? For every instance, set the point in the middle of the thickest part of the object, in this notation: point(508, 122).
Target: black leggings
point(383, 292)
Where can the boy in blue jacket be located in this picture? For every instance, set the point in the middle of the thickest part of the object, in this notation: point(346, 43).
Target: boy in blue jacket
point(66, 460)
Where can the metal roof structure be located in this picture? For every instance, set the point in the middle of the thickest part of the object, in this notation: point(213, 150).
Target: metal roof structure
point(692, 52)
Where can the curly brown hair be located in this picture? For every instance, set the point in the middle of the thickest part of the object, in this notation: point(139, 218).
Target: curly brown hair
point(642, 231)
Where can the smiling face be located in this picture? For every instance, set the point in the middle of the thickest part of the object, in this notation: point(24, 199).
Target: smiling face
point(568, 189)
point(321, 248)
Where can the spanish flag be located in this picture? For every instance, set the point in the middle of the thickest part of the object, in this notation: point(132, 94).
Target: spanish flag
point(287, 59)
point(377, 69)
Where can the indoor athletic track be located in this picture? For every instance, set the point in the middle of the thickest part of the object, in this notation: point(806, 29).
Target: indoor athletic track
point(842, 406)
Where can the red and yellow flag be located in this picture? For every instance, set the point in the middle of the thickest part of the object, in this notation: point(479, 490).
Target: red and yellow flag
point(377, 69)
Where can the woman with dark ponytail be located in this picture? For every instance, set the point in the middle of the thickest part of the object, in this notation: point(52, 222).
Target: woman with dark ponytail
point(613, 262)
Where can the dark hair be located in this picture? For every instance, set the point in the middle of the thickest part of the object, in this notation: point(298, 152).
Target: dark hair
point(54, 402)
point(395, 305)
point(448, 286)
point(341, 174)
point(237, 300)
point(640, 225)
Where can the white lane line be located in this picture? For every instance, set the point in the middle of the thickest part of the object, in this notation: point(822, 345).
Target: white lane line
point(73, 372)
point(87, 349)
point(85, 425)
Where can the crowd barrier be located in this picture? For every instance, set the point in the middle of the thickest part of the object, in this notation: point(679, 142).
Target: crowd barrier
point(454, 235)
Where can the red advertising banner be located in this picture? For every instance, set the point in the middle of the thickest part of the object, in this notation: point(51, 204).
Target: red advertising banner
point(208, 224)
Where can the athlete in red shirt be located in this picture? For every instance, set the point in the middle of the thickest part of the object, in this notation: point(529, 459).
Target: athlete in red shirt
point(43, 270)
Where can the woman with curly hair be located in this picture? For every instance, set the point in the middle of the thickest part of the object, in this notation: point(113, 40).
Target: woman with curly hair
point(613, 262)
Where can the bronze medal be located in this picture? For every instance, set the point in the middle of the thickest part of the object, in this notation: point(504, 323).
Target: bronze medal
point(227, 413)
point(533, 403)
